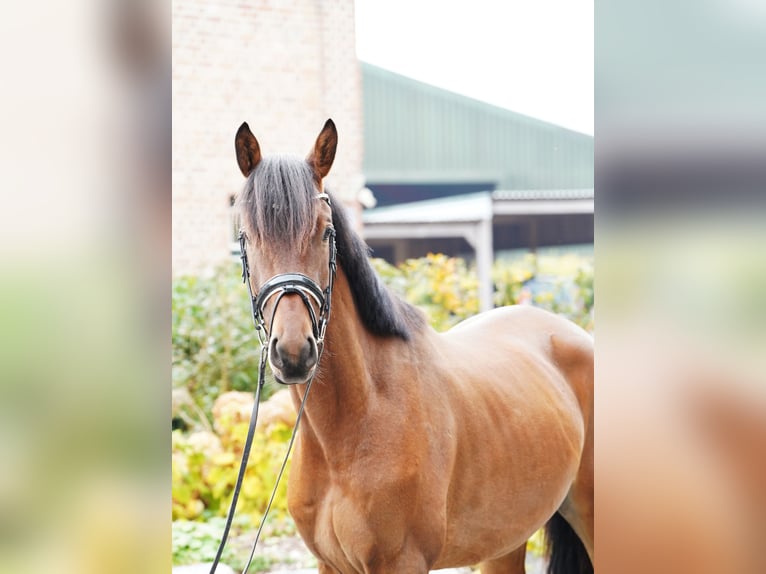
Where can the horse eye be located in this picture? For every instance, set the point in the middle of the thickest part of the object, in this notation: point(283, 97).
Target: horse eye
point(328, 232)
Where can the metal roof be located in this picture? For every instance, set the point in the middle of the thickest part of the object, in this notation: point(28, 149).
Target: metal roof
point(537, 194)
point(481, 206)
point(470, 207)
point(418, 133)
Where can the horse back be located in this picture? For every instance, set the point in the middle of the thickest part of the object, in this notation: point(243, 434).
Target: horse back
point(523, 333)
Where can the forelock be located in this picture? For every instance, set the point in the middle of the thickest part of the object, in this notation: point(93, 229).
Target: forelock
point(278, 203)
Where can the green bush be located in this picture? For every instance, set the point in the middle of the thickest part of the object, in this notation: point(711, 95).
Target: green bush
point(215, 346)
point(197, 542)
point(446, 288)
point(510, 279)
point(204, 473)
point(561, 284)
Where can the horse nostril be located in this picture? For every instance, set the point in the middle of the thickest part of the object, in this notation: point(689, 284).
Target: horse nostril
point(274, 354)
point(309, 352)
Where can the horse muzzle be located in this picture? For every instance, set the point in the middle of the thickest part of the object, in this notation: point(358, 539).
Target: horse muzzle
point(293, 362)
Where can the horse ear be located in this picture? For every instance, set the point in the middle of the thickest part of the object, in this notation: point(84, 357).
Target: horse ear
point(248, 150)
point(321, 157)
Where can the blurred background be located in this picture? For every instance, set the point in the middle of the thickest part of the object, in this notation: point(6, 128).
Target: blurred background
point(85, 286)
point(680, 237)
point(498, 143)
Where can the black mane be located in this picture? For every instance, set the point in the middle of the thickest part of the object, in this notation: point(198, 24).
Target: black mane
point(278, 206)
point(382, 312)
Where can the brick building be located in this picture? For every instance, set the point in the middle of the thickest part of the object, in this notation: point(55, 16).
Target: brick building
point(284, 67)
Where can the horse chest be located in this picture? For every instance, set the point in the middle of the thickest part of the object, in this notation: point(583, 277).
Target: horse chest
point(333, 525)
point(356, 519)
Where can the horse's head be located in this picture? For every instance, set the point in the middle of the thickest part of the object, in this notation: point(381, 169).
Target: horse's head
point(289, 248)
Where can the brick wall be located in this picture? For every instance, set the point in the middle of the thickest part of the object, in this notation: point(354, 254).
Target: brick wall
point(284, 66)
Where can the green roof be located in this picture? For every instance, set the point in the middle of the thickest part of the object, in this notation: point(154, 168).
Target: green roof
point(418, 133)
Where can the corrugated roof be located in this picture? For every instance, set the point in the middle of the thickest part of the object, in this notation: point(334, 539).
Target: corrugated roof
point(532, 194)
point(477, 206)
point(415, 132)
point(469, 207)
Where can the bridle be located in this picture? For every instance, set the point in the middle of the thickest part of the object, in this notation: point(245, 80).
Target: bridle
point(289, 283)
point(279, 286)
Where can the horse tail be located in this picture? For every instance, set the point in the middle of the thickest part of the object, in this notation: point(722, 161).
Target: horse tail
point(566, 552)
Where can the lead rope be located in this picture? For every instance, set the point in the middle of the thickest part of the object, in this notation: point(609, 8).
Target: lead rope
point(279, 476)
point(243, 465)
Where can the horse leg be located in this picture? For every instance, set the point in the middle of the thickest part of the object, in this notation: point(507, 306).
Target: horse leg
point(577, 511)
point(512, 563)
point(324, 568)
point(570, 530)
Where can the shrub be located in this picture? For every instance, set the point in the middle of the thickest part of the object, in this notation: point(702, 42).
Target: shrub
point(444, 287)
point(215, 346)
point(561, 284)
point(510, 281)
point(197, 542)
point(204, 472)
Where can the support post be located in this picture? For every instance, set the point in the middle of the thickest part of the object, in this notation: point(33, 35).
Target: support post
point(484, 259)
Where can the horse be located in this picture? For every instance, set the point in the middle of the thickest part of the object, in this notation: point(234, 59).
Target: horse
point(419, 450)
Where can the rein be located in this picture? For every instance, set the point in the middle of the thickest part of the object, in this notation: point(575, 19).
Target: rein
point(279, 286)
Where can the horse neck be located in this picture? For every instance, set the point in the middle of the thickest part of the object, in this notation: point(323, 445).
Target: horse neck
point(349, 376)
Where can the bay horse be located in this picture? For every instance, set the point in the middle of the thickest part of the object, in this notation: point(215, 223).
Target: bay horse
point(419, 450)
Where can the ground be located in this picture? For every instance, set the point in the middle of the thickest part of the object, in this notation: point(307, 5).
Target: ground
point(289, 555)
